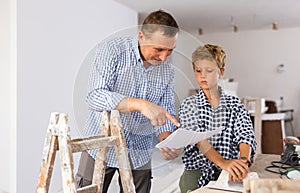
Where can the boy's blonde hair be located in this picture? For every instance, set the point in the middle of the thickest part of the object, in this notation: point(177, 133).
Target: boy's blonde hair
point(210, 52)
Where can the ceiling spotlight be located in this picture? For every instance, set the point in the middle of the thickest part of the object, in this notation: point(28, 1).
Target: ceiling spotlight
point(275, 26)
point(235, 28)
point(200, 31)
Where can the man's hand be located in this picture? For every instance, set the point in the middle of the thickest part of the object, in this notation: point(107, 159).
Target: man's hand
point(172, 119)
point(155, 113)
point(169, 154)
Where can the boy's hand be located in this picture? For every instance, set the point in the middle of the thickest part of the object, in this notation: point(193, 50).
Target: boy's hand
point(238, 169)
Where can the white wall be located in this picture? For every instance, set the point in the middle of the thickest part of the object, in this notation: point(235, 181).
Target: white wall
point(253, 57)
point(7, 96)
point(53, 39)
point(181, 57)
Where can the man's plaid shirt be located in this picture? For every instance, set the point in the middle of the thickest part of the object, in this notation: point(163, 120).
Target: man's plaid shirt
point(117, 72)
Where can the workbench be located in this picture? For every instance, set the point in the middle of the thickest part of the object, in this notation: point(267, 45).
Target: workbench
point(259, 165)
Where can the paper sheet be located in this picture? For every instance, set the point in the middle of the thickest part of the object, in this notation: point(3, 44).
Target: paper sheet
point(182, 137)
point(223, 184)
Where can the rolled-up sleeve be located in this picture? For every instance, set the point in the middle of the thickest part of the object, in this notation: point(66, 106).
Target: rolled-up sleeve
point(244, 130)
point(101, 81)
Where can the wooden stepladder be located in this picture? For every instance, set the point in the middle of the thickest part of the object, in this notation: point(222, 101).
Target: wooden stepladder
point(58, 139)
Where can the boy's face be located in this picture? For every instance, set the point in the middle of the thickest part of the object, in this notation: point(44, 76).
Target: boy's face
point(156, 48)
point(207, 74)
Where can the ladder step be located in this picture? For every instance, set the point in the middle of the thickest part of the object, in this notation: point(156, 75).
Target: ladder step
point(88, 189)
point(95, 142)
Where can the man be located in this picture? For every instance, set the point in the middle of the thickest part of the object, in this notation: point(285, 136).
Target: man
point(134, 76)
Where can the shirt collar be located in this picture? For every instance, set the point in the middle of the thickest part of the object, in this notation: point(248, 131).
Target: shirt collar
point(136, 50)
point(202, 100)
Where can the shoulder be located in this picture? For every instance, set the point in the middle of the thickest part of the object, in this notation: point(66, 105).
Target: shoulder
point(232, 99)
point(188, 103)
point(116, 44)
point(228, 99)
point(190, 99)
point(234, 102)
point(198, 99)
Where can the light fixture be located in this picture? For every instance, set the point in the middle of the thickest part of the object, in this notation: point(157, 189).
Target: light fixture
point(275, 26)
point(200, 31)
point(235, 28)
point(280, 68)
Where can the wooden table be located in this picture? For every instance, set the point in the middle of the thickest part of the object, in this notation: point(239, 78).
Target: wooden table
point(259, 165)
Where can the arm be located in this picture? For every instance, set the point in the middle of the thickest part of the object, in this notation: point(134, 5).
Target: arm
point(162, 136)
point(244, 137)
point(155, 113)
point(237, 169)
point(102, 77)
point(168, 103)
point(101, 95)
point(245, 134)
point(245, 152)
point(184, 112)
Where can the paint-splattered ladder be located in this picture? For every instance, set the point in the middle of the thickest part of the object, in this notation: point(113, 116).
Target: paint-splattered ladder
point(58, 139)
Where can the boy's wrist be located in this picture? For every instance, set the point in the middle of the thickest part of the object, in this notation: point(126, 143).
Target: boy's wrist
point(245, 158)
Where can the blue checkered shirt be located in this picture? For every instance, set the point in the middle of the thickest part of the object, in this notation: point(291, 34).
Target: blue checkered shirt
point(117, 72)
point(197, 114)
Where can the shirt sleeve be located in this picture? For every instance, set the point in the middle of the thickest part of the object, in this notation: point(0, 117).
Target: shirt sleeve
point(244, 129)
point(188, 114)
point(168, 102)
point(101, 81)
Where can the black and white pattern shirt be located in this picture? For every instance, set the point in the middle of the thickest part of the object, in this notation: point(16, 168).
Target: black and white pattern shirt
point(197, 114)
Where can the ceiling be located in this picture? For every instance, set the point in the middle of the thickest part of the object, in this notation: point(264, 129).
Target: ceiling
point(214, 16)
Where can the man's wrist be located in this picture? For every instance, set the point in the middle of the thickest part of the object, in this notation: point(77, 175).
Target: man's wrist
point(162, 136)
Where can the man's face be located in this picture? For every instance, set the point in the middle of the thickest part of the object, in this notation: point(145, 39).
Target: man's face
point(157, 47)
